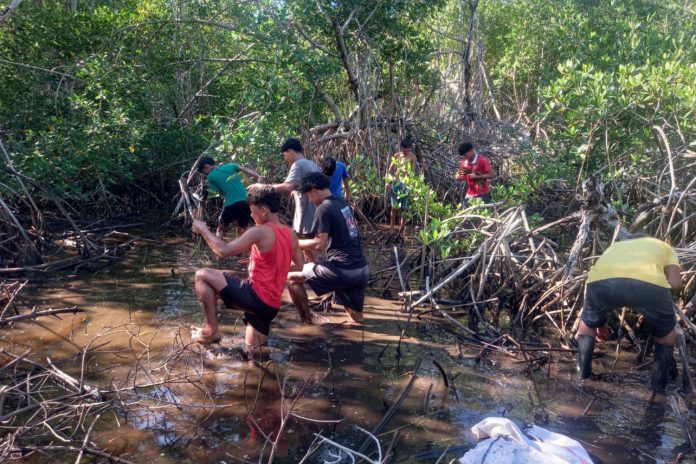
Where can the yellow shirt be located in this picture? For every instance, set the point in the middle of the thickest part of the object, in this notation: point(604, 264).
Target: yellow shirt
point(640, 258)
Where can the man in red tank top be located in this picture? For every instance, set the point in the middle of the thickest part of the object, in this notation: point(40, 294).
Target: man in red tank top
point(273, 249)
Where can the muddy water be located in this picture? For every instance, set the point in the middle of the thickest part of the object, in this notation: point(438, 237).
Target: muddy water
point(216, 407)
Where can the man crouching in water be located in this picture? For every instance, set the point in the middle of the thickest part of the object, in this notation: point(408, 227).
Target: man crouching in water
point(344, 270)
point(273, 247)
point(642, 273)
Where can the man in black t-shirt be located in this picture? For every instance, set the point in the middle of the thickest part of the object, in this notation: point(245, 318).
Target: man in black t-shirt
point(344, 269)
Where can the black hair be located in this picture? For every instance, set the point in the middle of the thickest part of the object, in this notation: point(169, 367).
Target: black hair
point(205, 161)
point(465, 148)
point(314, 181)
point(264, 195)
point(406, 143)
point(328, 166)
point(291, 144)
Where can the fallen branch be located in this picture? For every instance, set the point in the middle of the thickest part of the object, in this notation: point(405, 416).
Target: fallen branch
point(37, 314)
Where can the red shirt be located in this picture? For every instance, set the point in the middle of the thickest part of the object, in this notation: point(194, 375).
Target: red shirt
point(480, 165)
point(268, 271)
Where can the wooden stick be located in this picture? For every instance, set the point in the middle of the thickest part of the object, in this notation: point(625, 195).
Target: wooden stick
point(390, 413)
point(35, 314)
point(682, 413)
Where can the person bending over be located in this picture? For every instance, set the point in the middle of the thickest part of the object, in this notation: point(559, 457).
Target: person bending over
point(273, 248)
point(640, 273)
point(226, 180)
point(344, 270)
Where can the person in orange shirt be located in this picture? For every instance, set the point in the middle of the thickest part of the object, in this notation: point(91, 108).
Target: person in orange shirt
point(476, 170)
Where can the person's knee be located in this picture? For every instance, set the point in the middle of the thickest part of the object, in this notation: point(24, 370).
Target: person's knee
point(295, 286)
point(584, 329)
point(202, 275)
point(295, 278)
point(669, 339)
point(213, 278)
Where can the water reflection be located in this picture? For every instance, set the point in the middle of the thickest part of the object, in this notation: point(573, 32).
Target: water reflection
point(227, 404)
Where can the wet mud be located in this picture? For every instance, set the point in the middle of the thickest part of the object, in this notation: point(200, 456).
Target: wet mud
point(187, 403)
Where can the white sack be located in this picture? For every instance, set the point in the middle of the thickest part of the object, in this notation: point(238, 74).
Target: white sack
point(508, 445)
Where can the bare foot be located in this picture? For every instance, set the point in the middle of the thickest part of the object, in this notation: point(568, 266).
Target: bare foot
point(199, 336)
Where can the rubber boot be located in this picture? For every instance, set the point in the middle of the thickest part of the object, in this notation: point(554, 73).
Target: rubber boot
point(661, 365)
point(583, 361)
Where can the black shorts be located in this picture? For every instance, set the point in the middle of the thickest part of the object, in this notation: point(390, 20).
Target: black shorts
point(238, 294)
point(349, 284)
point(238, 211)
point(486, 198)
point(653, 301)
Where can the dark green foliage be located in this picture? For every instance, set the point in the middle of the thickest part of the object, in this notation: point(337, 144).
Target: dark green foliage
point(91, 100)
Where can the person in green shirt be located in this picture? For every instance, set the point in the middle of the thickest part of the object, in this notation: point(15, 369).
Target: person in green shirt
point(226, 180)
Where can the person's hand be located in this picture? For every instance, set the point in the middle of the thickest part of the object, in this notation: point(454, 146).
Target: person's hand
point(261, 180)
point(198, 227)
point(254, 186)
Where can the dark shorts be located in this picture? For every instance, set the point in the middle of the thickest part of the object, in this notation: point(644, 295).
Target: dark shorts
point(238, 212)
point(399, 195)
point(349, 284)
point(486, 198)
point(238, 294)
point(652, 301)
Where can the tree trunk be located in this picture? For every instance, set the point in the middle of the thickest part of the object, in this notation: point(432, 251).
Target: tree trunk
point(466, 56)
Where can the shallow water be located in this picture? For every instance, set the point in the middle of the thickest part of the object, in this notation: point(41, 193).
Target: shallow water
point(137, 316)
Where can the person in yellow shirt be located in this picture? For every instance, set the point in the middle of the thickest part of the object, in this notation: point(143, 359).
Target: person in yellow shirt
point(640, 273)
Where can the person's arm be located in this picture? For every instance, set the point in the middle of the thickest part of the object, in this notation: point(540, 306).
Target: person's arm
point(673, 274)
point(321, 228)
point(320, 242)
point(484, 171)
point(222, 248)
point(346, 188)
point(212, 186)
point(250, 172)
point(297, 255)
point(286, 187)
point(486, 175)
point(463, 171)
point(345, 177)
point(415, 166)
point(390, 173)
point(292, 181)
